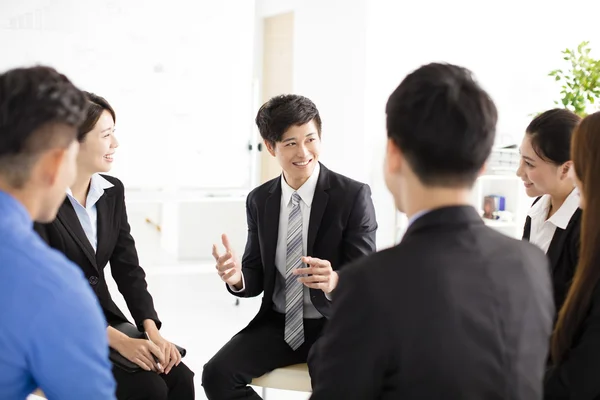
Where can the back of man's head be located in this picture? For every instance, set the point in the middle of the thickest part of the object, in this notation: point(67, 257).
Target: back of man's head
point(444, 124)
point(40, 111)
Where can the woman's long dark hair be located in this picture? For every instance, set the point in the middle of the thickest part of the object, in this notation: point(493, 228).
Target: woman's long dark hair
point(585, 151)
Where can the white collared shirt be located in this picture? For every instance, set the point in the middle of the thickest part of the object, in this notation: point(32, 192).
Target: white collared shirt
point(88, 215)
point(542, 227)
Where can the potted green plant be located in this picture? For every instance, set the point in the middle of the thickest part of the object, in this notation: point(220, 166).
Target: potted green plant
point(581, 81)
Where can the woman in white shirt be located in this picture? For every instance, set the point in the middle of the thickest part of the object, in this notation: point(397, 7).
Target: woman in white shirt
point(553, 222)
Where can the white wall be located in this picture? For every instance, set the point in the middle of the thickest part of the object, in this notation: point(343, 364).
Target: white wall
point(179, 75)
point(510, 47)
point(330, 67)
point(350, 55)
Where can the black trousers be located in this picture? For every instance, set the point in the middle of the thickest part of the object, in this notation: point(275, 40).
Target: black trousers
point(144, 385)
point(253, 352)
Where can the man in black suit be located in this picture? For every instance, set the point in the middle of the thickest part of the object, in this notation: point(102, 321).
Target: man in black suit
point(456, 310)
point(303, 227)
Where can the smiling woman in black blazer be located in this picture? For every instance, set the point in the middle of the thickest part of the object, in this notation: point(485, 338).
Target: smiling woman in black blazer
point(92, 230)
point(554, 221)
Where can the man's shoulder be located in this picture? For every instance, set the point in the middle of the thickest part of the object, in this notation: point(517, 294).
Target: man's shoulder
point(413, 249)
point(503, 244)
point(264, 190)
point(528, 253)
point(44, 269)
point(375, 264)
point(337, 180)
point(44, 284)
point(486, 244)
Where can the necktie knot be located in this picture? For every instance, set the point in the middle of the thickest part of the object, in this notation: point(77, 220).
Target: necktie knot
point(296, 198)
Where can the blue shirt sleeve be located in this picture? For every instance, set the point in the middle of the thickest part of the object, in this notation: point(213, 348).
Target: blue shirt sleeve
point(68, 352)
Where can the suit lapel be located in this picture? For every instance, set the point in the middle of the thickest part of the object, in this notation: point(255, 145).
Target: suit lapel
point(271, 229)
point(105, 208)
point(317, 209)
point(556, 247)
point(68, 217)
point(527, 229)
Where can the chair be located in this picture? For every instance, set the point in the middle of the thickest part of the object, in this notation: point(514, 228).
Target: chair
point(294, 377)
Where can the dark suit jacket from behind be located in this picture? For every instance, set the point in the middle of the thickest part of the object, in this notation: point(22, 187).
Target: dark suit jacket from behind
point(563, 254)
point(457, 310)
point(341, 229)
point(115, 245)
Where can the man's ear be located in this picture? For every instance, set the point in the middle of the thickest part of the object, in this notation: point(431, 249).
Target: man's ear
point(269, 147)
point(49, 164)
point(394, 158)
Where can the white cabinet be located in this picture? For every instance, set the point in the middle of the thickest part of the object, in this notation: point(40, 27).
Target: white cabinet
point(173, 226)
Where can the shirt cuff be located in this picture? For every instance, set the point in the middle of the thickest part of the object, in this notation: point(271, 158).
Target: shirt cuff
point(234, 290)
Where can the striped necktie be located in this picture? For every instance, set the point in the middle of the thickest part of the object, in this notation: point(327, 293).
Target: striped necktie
point(294, 299)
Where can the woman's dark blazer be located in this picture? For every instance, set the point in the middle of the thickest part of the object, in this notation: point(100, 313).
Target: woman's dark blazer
point(563, 254)
point(115, 245)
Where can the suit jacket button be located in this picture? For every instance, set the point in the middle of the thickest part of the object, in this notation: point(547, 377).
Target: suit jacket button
point(93, 280)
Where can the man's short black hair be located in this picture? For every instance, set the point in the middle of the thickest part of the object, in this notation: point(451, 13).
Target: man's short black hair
point(444, 123)
point(35, 106)
point(278, 114)
point(550, 134)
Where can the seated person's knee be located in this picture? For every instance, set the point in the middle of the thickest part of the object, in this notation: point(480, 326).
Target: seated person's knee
point(214, 375)
point(185, 375)
point(154, 388)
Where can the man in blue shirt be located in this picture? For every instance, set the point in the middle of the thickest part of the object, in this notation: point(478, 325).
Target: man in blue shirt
point(52, 334)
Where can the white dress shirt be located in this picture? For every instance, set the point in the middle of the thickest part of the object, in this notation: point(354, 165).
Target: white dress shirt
point(88, 215)
point(542, 227)
point(306, 193)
